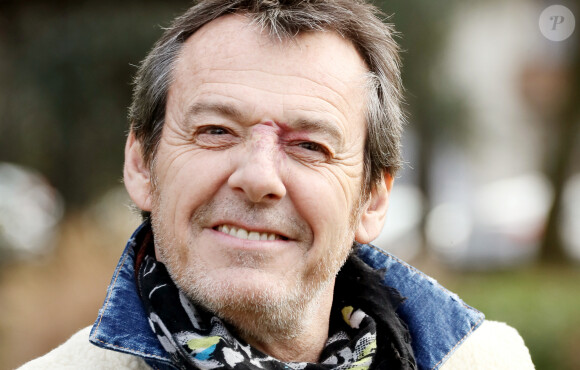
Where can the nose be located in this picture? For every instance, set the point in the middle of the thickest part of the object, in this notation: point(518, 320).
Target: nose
point(257, 173)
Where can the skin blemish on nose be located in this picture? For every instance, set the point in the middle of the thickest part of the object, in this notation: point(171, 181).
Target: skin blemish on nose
point(271, 136)
point(265, 134)
point(270, 126)
point(268, 131)
point(284, 131)
point(266, 137)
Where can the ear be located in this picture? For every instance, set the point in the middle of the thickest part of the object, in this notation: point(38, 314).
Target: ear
point(136, 174)
point(372, 217)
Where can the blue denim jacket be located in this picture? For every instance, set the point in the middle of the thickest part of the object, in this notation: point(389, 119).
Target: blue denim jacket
point(438, 320)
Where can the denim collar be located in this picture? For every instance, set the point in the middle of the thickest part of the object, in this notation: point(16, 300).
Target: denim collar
point(439, 321)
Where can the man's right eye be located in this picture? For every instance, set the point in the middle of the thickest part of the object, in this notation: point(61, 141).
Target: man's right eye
point(213, 130)
point(215, 137)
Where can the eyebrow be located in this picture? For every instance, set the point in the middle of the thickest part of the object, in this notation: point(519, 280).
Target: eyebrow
point(221, 109)
point(322, 126)
point(325, 127)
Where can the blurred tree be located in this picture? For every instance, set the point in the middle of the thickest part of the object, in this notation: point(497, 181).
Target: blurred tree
point(423, 27)
point(558, 166)
point(65, 76)
point(552, 89)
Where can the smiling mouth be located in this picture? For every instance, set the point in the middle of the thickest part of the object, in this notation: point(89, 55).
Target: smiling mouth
point(242, 233)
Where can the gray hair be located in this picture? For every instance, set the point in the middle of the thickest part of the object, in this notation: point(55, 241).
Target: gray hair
point(355, 20)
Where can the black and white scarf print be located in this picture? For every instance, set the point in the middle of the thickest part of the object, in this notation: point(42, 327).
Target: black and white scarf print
point(197, 339)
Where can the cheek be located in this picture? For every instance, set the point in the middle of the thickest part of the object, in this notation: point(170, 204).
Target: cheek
point(187, 180)
point(324, 202)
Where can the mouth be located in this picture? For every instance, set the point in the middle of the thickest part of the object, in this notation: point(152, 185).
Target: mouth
point(241, 233)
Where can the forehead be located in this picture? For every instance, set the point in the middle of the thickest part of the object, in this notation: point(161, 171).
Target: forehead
point(230, 47)
point(234, 35)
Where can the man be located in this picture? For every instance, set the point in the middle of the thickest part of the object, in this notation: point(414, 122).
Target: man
point(263, 145)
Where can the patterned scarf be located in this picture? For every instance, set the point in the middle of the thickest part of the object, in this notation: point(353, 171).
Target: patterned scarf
point(197, 339)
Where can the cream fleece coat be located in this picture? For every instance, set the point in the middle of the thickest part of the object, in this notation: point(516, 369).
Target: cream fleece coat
point(493, 345)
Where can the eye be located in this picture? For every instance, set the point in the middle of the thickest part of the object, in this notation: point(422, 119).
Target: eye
point(215, 137)
point(314, 147)
point(213, 130)
point(310, 151)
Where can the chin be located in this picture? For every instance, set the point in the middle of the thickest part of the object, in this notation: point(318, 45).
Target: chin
point(257, 304)
point(240, 289)
point(254, 306)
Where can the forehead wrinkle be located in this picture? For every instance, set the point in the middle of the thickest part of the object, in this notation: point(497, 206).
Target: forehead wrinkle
point(346, 84)
point(350, 84)
point(241, 114)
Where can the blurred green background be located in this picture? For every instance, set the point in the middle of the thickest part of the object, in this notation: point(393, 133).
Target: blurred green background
point(489, 100)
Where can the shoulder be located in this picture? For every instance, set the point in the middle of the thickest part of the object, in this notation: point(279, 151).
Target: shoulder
point(493, 345)
point(78, 353)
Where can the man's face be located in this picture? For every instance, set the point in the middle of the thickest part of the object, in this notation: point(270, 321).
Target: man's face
point(258, 173)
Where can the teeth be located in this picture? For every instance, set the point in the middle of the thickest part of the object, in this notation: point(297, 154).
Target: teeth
point(242, 234)
point(233, 231)
point(245, 234)
point(254, 236)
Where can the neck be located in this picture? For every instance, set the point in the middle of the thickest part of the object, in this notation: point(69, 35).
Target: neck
point(304, 343)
